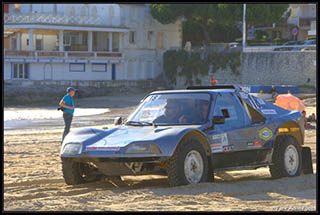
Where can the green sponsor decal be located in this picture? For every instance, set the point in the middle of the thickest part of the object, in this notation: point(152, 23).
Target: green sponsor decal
point(265, 134)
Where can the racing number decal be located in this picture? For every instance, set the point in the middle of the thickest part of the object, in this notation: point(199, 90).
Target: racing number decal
point(220, 143)
point(265, 134)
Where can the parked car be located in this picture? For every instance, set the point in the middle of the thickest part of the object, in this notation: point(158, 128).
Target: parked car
point(188, 135)
point(235, 46)
point(284, 47)
point(308, 43)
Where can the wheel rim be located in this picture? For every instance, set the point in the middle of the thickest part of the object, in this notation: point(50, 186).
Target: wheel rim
point(193, 167)
point(86, 172)
point(291, 160)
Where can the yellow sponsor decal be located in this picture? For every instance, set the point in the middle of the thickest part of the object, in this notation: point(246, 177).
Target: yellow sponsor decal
point(265, 134)
point(283, 130)
point(294, 129)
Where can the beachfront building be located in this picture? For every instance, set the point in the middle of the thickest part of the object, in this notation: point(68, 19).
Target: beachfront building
point(85, 42)
point(304, 16)
point(300, 24)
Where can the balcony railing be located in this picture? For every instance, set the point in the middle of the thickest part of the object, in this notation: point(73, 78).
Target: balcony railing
point(45, 18)
point(61, 55)
point(306, 21)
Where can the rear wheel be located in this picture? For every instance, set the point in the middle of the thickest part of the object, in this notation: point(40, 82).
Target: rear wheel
point(79, 173)
point(287, 160)
point(188, 165)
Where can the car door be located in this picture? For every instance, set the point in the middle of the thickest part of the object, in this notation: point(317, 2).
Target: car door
point(232, 143)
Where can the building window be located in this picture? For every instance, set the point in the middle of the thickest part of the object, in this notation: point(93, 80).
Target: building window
point(77, 67)
point(100, 41)
point(55, 9)
point(160, 40)
point(115, 41)
point(150, 33)
point(131, 37)
point(99, 67)
point(20, 71)
point(39, 44)
point(75, 41)
point(94, 11)
point(13, 43)
point(72, 11)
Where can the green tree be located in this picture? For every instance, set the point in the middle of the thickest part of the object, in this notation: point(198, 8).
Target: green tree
point(205, 16)
point(263, 14)
point(210, 17)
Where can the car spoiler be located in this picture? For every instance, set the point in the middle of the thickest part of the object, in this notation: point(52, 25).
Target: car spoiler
point(221, 86)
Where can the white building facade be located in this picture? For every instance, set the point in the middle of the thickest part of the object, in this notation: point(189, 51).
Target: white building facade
point(304, 16)
point(85, 42)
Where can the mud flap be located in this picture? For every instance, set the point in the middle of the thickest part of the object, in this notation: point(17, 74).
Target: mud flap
point(307, 167)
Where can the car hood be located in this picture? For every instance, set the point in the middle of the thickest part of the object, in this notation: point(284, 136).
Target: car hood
point(166, 137)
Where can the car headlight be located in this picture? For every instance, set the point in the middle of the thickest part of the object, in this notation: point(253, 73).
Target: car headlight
point(72, 148)
point(147, 148)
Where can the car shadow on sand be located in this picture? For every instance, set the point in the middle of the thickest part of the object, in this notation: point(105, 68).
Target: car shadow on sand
point(248, 187)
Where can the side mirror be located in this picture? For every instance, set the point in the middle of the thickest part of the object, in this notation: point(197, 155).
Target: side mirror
point(118, 120)
point(218, 120)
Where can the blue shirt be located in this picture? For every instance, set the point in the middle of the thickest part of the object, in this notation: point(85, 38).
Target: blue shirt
point(69, 101)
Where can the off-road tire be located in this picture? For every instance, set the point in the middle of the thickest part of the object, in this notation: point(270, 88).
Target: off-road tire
point(307, 167)
point(277, 169)
point(175, 165)
point(73, 172)
point(210, 171)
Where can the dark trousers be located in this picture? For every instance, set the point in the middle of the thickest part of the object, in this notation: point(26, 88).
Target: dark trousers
point(67, 117)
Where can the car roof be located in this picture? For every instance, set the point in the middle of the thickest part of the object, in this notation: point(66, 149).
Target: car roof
point(201, 89)
point(193, 91)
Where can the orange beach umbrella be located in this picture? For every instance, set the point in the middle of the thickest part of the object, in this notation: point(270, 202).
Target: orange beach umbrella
point(290, 102)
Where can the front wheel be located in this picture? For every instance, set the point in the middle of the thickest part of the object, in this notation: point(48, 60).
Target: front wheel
point(287, 159)
point(79, 173)
point(188, 165)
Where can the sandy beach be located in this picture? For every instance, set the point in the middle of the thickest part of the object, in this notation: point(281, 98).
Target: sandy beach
point(33, 178)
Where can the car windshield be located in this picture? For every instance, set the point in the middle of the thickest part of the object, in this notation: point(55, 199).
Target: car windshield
point(171, 108)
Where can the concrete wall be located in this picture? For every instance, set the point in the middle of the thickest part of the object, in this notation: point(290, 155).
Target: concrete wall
point(267, 68)
point(290, 68)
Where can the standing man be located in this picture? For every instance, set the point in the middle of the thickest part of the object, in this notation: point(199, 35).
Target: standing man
point(68, 105)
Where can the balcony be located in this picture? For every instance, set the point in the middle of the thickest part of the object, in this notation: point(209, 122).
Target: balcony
point(61, 55)
point(306, 21)
point(45, 18)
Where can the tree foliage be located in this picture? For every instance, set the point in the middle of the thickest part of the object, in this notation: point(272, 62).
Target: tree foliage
point(263, 14)
point(194, 65)
point(216, 21)
point(205, 16)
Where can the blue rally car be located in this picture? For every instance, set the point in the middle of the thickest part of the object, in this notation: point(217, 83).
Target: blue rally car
point(188, 135)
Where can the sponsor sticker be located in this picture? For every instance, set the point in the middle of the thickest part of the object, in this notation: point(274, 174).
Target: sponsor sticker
point(216, 148)
point(219, 141)
point(269, 111)
point(228, 148)
point(255, 144)
point(265, 134)
point(260, 100)
point(103, 148)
